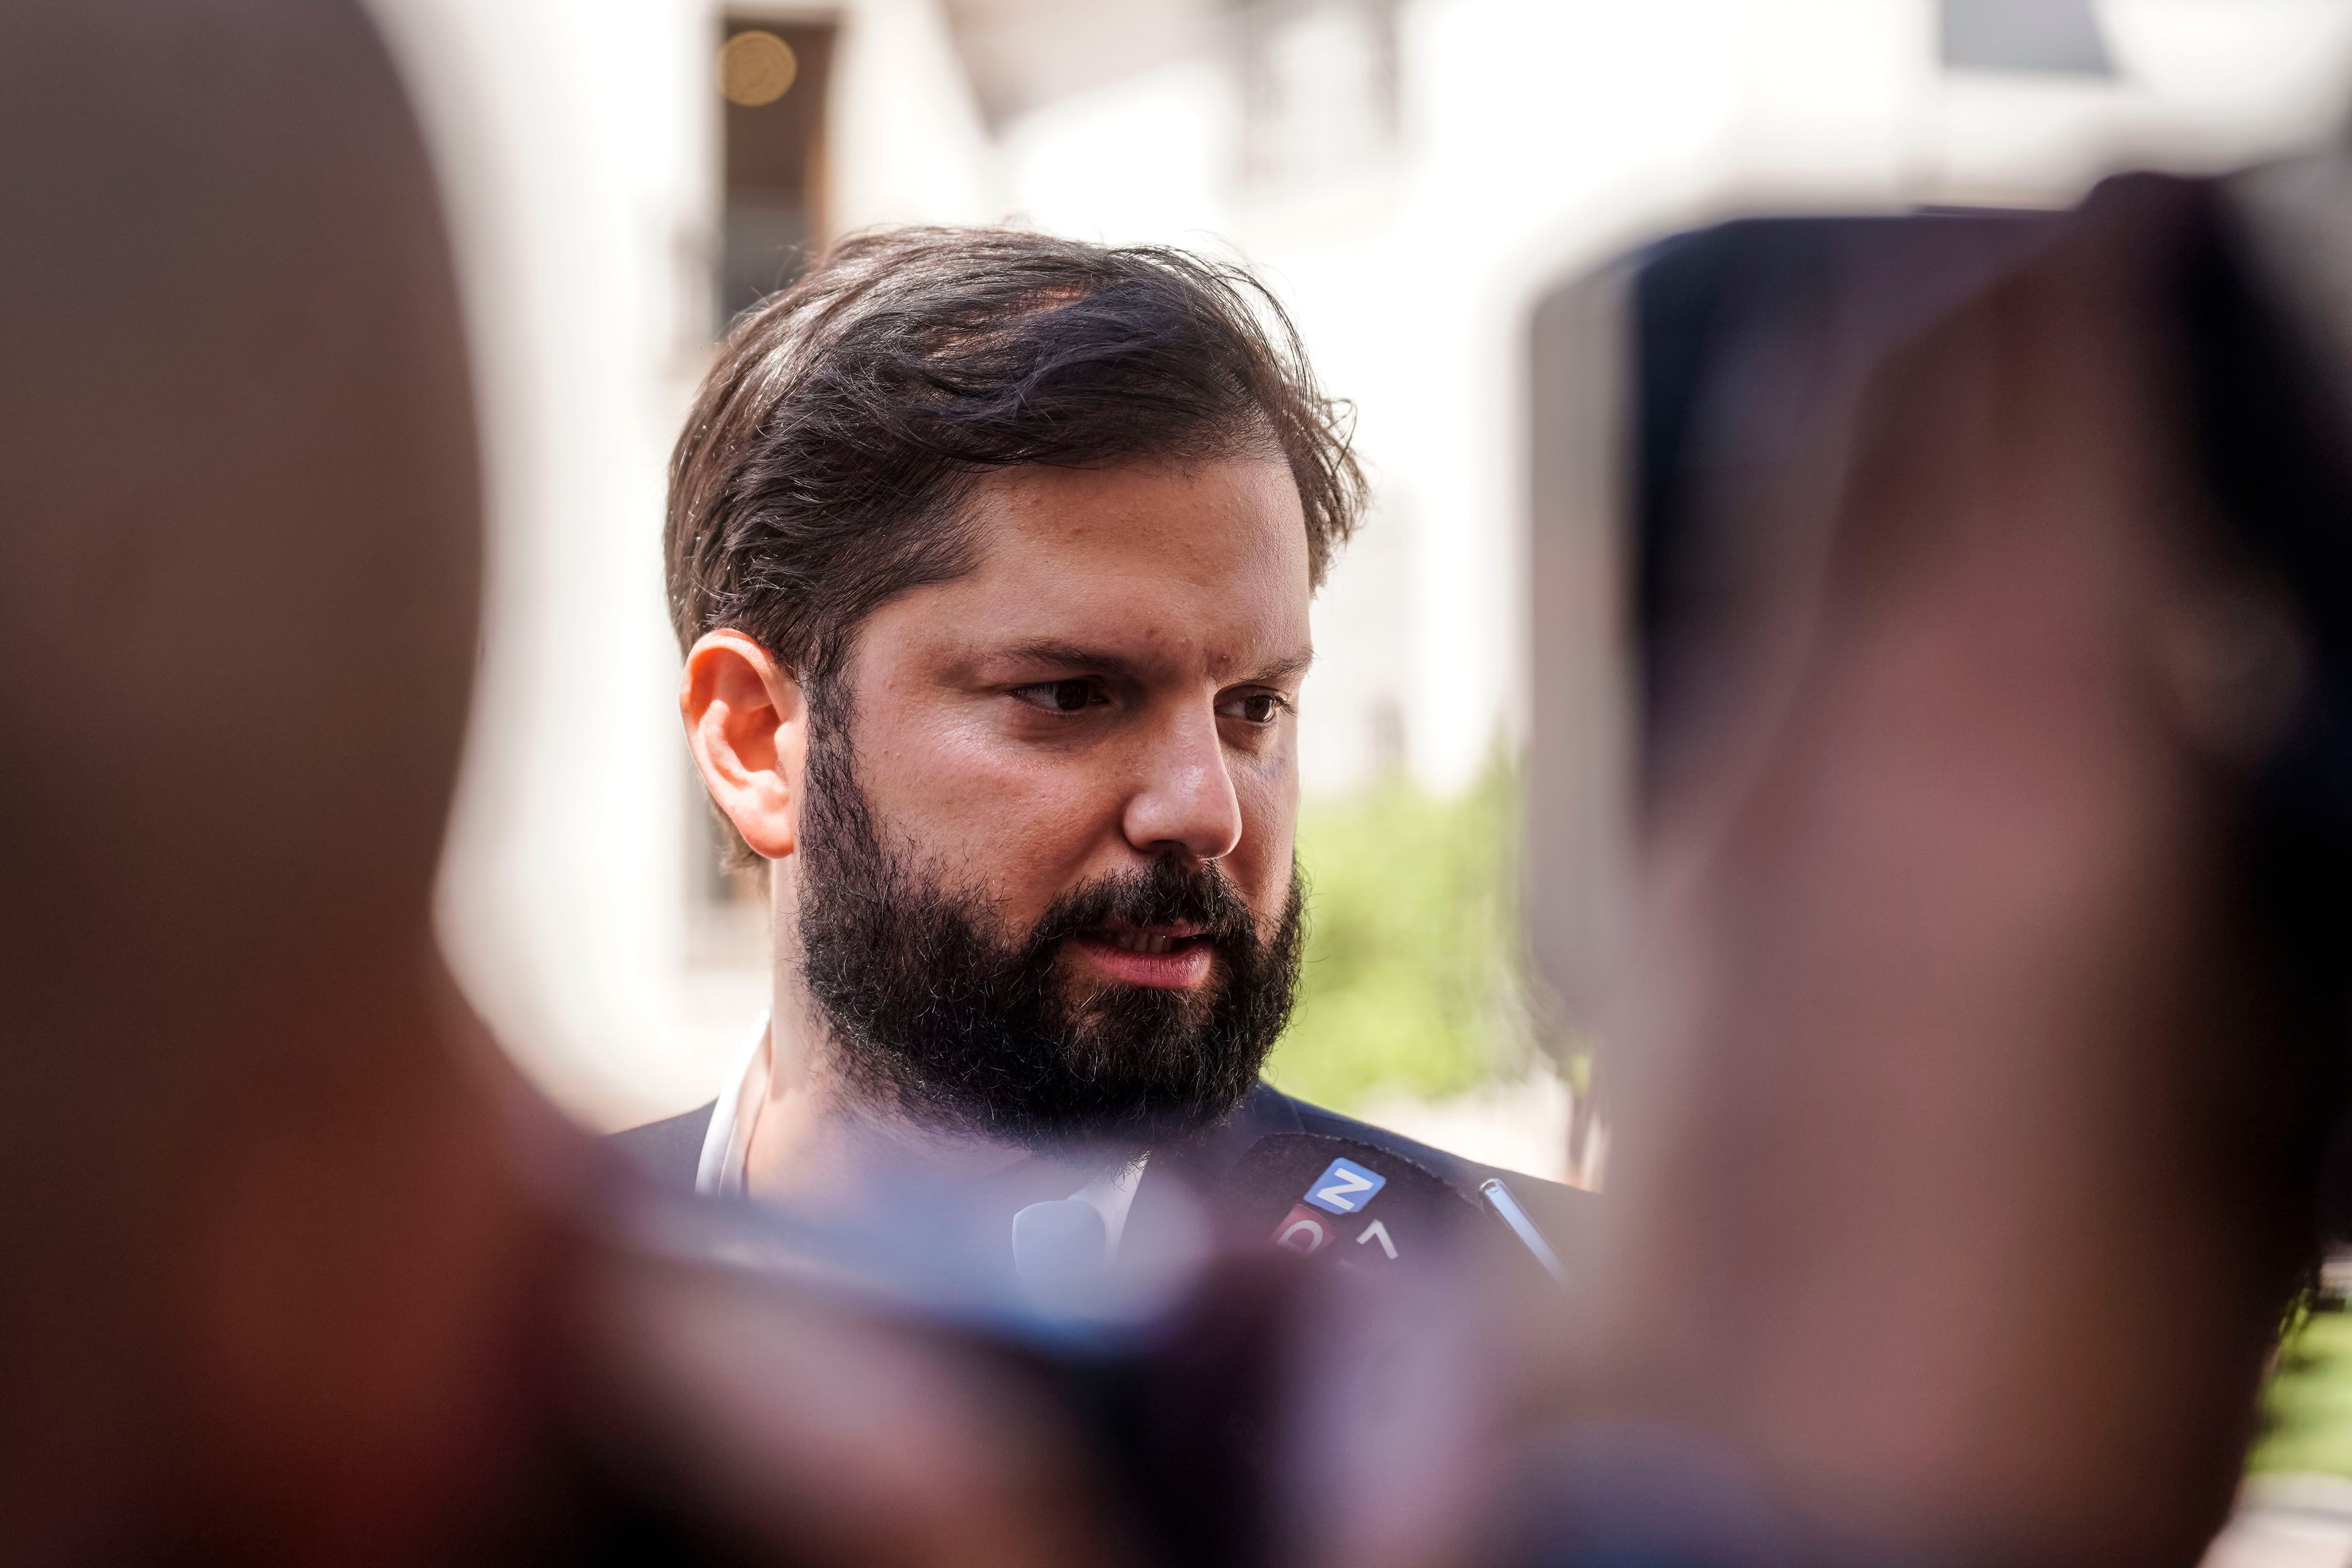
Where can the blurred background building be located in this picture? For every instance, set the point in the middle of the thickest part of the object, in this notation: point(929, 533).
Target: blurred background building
point(1410, 174)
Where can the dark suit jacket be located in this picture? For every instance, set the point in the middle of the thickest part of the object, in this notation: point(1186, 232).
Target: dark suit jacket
point(671, 1151)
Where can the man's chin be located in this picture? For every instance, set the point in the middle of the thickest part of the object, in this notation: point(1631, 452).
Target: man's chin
point(1094, 1000)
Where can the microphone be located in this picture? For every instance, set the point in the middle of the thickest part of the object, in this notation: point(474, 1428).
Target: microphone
point(1366, 1209)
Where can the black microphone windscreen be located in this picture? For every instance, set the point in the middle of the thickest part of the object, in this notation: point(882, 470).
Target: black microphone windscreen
point(1365, 1205)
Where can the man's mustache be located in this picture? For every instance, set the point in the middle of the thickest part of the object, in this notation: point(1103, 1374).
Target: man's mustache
point(1170, 893)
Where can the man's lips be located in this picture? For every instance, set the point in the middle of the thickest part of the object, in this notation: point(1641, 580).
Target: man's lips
point(1175, 957)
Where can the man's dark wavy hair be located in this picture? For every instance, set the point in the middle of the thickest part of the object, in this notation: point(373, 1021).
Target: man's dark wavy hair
point(825, 467)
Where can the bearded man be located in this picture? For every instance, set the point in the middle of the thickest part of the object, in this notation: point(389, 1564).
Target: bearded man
point(991, 554)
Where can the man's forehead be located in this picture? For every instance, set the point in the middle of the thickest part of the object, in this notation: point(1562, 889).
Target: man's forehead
point(1148, 562)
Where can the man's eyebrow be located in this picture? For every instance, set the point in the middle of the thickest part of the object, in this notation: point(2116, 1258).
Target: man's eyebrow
point(1078, 656)
point(1284, 669)
point(1068, 656)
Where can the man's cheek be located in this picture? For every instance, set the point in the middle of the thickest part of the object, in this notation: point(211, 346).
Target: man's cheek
point(1031, 866)
point(1013, 860)
point(1265, 862)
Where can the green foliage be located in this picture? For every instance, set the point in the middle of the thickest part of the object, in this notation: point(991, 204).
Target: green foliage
point(2307, 1405)
point(1412, 980)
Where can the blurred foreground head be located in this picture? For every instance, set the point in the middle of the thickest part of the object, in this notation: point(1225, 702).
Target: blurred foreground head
point(1990, 1020)
point(241, 510)
point(296, 1271)
point(238, 526)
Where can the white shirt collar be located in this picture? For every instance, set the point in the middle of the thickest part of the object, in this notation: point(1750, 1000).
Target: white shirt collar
point(727, 1145)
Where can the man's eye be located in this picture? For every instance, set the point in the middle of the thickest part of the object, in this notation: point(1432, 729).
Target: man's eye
point(1257, 707)
point(1058, 696)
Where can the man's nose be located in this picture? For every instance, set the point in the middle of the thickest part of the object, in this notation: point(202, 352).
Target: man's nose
point(1185, 799)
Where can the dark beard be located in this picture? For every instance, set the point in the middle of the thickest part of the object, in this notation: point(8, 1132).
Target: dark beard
point(935, 1014)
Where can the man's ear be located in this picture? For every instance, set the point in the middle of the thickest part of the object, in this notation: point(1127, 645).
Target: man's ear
point(748, 724)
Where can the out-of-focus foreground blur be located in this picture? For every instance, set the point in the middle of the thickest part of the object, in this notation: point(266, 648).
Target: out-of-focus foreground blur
point(1415, 175)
